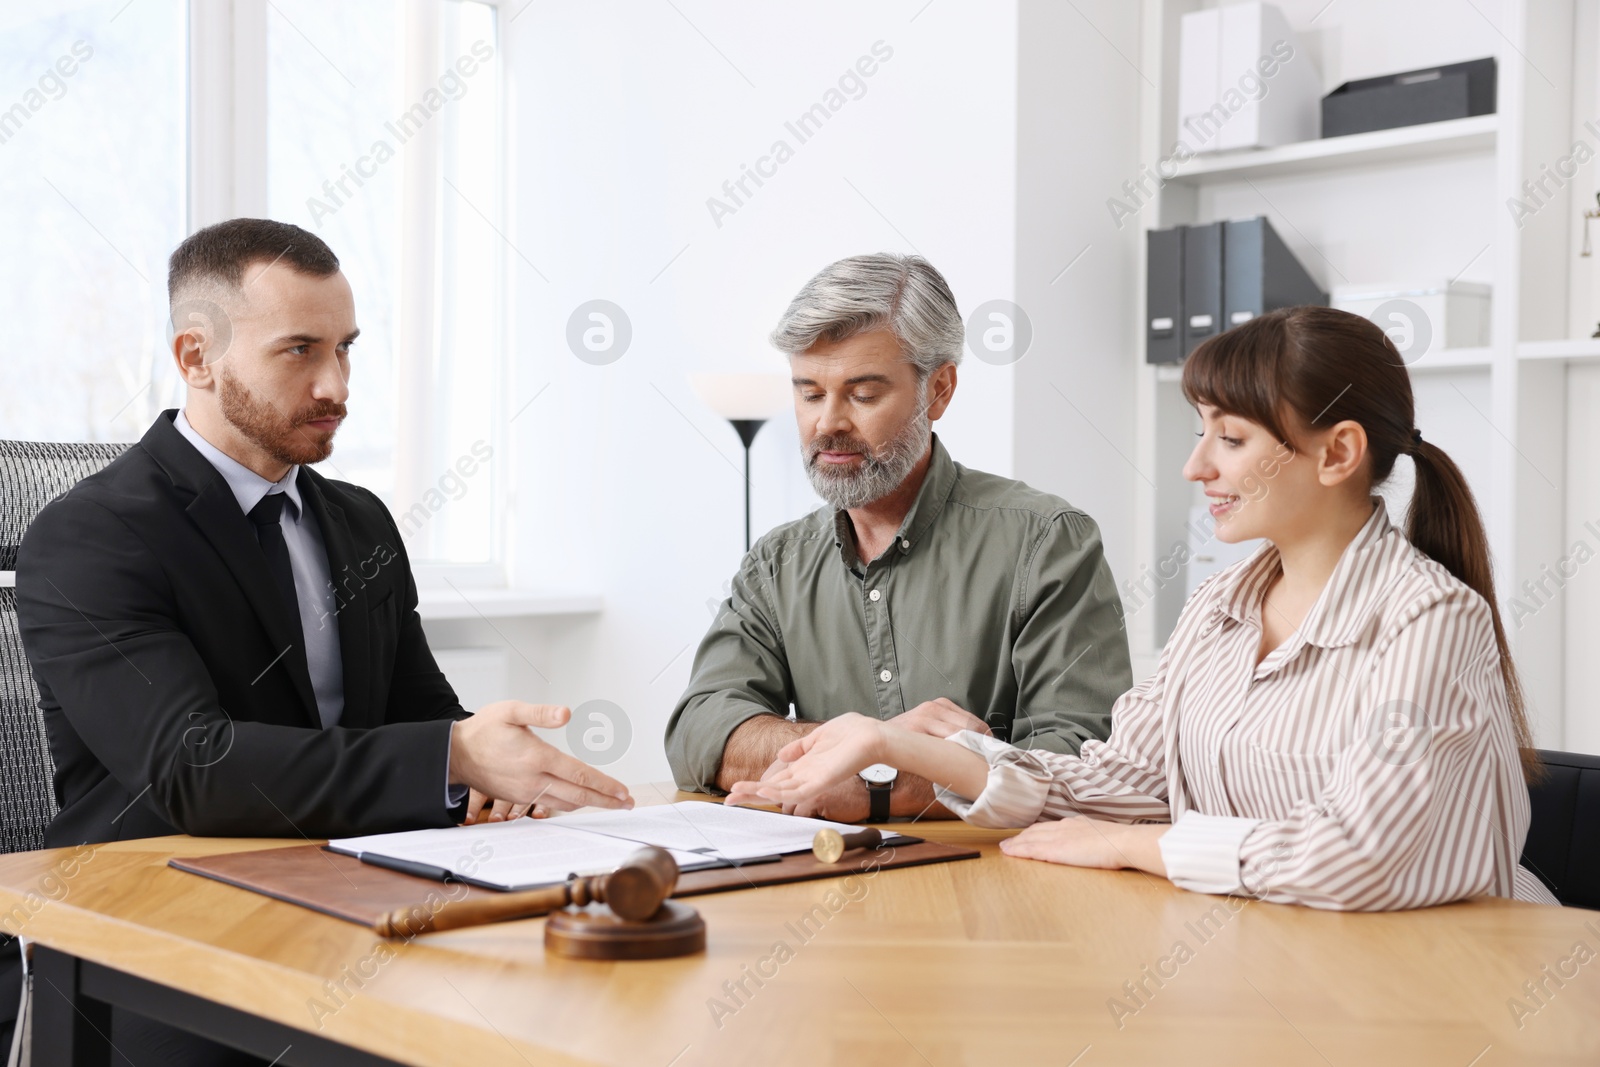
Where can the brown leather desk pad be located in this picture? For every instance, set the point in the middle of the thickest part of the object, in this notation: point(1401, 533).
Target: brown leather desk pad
point(346, 888)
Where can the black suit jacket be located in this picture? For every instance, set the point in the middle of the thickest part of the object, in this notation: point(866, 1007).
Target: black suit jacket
point(173, 676)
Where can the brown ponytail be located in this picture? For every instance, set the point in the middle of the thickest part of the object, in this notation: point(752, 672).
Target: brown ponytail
point(1444, 523)
point(1321, 366)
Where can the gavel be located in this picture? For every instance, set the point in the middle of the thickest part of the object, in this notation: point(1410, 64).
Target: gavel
point(830, 844)
point(634, 891)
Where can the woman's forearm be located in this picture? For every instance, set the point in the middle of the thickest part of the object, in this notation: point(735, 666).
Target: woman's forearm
point(955, 767)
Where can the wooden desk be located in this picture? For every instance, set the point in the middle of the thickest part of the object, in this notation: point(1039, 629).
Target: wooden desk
point(990, 961)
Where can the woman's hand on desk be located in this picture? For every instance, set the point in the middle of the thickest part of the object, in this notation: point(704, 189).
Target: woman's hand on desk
point(1080, 841)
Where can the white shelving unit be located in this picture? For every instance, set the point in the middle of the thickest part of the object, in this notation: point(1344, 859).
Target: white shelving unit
point(1475, 134)
point(1412, 204)
point(1586, 349)
point(1453, 359)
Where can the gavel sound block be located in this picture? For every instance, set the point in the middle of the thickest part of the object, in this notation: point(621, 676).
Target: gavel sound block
point(634, 919)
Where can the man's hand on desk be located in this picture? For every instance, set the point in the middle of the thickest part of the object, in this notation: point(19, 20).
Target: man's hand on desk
point(494, 754)
point(481, 808)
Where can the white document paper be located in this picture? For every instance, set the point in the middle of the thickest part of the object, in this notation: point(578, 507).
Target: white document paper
point(716, 829)
point(520, 854)
point(525, 853)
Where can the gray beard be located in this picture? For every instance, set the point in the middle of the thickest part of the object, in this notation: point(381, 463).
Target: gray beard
point(879, 474)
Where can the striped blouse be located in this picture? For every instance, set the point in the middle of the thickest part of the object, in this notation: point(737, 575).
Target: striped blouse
point(1368, 763)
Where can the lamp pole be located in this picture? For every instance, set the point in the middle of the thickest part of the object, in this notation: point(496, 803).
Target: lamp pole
point(747, 430)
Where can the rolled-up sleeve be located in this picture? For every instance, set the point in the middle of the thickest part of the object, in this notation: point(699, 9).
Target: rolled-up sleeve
point(1070, 657)
point(1201, 852)
point(1014, 792)
point(739, 672)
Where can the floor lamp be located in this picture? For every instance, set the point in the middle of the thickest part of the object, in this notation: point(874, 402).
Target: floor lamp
point(747, 401)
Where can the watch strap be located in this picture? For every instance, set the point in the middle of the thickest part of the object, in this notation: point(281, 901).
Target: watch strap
point(878, 801)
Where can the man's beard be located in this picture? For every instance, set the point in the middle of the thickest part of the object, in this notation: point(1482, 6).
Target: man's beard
point(878, 474)
point(284, 438)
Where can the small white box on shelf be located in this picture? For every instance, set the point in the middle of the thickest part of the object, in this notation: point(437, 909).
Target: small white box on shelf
point(1441, 314)
point(1243, 82)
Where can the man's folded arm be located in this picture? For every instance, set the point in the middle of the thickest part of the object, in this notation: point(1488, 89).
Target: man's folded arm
point(739, 672)
point(1071, 653)
point(99, 624)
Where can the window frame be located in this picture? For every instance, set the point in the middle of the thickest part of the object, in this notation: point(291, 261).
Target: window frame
point(227, 178)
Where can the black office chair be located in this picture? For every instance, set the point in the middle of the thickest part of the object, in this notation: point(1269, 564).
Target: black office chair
point(32, 473)
point(1563, 846)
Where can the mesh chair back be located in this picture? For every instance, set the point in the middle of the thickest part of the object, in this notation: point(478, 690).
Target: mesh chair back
point(32, 473)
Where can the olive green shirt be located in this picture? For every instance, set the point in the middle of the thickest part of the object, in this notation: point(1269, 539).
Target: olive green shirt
point(993, 594)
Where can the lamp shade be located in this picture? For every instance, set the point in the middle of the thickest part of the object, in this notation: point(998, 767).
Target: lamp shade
point(743, 396)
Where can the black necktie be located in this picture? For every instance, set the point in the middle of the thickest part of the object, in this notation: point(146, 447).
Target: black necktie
point(267, 516)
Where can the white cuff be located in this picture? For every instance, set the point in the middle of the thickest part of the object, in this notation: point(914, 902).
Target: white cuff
point(1014, 792)
point(1201, 852)
point(453, 794)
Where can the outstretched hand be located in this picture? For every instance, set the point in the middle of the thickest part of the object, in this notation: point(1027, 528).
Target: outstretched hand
point(495, 754)
point(810, 766)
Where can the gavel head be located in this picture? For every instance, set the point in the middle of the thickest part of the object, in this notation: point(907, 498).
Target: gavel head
point(636, 890)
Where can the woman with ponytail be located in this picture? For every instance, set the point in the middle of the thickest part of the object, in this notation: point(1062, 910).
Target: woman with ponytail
point(1336, 720)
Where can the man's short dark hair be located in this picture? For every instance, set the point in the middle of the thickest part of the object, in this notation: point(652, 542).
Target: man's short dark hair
point(220, 253)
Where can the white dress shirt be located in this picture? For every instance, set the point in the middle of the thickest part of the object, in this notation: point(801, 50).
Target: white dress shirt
point(308, 556)
point(1367, 763)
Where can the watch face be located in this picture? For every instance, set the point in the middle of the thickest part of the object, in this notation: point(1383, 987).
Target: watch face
point(879, 773)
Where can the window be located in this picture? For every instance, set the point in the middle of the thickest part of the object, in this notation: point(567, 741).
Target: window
point(376, 125)
point(383, 137)
point(92, 144)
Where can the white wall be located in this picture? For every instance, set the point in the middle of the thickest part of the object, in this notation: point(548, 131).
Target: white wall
point(988, 141)
point(1574, 588)
point(1578, 568)
point(1077, 273)
point(626, 120)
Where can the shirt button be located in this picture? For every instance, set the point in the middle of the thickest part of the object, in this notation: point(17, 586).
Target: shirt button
point(905, 544)
point(886, 675)
point(874, 596)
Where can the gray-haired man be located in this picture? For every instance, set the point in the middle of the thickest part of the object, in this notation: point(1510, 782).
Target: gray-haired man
point(939, 596)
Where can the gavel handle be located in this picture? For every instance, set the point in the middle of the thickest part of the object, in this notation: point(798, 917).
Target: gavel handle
point(454, 914)
point(871, 837)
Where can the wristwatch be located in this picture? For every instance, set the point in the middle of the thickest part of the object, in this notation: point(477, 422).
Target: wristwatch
point(880, 783)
